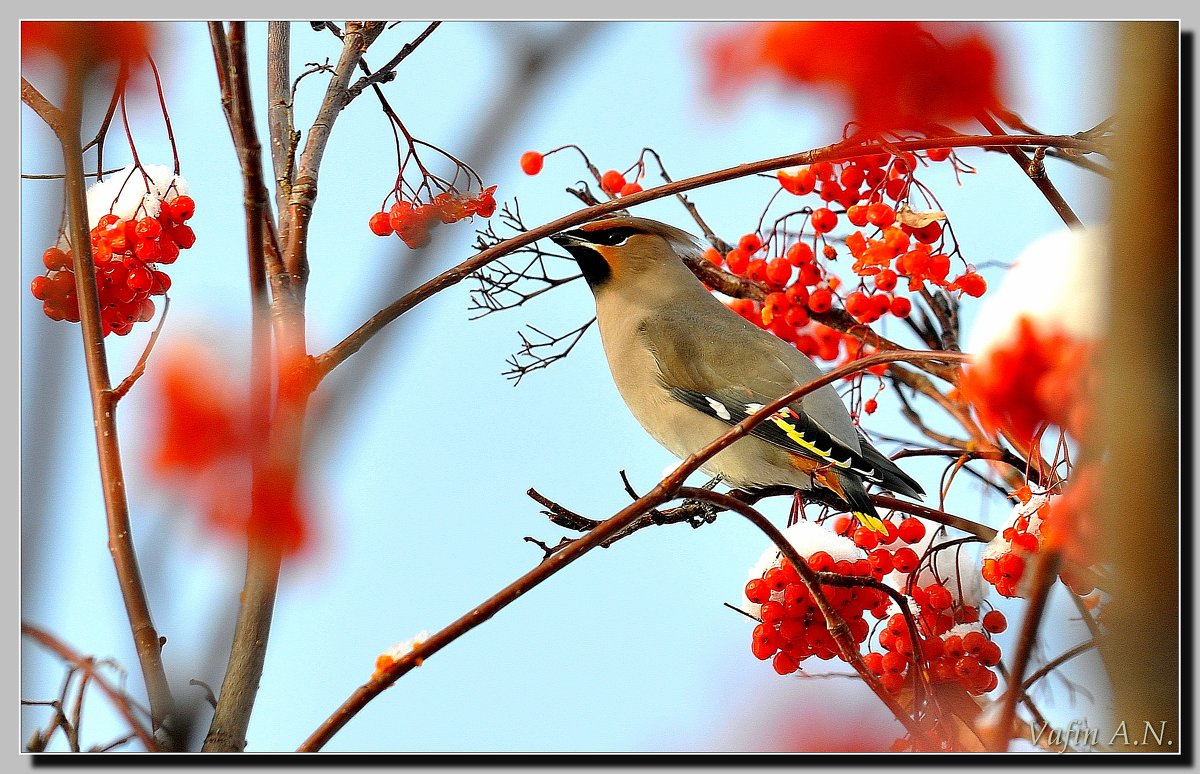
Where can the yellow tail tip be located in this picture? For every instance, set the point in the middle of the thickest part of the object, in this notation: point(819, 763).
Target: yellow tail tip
point(873, 523)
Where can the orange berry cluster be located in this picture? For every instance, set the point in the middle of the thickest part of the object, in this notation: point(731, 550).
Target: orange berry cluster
point(412, 221)
point(126, 253)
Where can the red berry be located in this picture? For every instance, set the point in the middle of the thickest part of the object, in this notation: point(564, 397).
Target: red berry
point(161, 283)
point(148, 228)
point(966, 667)
point(799, 253)
point(972, 284)
point(994, 621)
point(940, 597)
point(800, 182)
point(880, 214)
point(810, 274)
point(784, 664)
point(911, 530)
point(738, 260)
point(758, 591)
point(857, 304)
point(821, 561)
point(929, 233)
point(531, 163)
point(751, 243)
point(824, 220)
point(874, 662)
point(139, 279)
point(182, 208)
point(629, 189)
point(900, 306)
point(182, 236)
point(885, 280)
point(779, 272)
point(894, 662)
point(905, 559)
point(56, 259)
point(857, 215)
point(871, 406)
point(820, 300)
point(937, 154)
point(893, 682)
point(381, 224)
point(866, 538)
point(612, 181)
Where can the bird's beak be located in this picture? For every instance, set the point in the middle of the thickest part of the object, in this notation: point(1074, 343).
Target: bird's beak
point(566, 239)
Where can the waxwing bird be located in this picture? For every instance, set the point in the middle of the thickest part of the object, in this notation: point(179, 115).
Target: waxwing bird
point(689, 368)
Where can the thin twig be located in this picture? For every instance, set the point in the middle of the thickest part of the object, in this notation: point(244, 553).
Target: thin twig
point(86, 665)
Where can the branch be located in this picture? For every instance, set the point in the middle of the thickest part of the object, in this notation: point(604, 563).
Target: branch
point(1040, 180)
point(665, 490)
point(103, 400)
point(844, 150)
point(387, 72)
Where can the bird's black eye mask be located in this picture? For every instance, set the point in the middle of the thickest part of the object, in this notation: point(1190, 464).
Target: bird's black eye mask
point(611, 237)
point(579, 244)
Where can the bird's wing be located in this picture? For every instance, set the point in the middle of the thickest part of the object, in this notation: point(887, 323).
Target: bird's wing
point(696, 367)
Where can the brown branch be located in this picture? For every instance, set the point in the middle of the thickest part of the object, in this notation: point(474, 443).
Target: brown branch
point(355, 40)
point(247, 656)
point(387, 72)
point(1040, 180)
point(86, 665)
point(104, 405)
point(45, 110)
point(1058, 661)
point(340, 352)
point(280, 113)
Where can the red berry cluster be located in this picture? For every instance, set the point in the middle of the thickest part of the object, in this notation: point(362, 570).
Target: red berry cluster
point(126, 253)
point(412, 220)
point(868, 190)
point(1040, 520)
point(793, 627)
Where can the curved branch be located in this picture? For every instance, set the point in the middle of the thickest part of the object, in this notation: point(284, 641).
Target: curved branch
point(837, 152)
point(665, 490)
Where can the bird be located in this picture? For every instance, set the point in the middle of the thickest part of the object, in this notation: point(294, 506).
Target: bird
point(689, 368)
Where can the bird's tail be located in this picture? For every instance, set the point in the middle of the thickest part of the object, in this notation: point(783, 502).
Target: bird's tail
point(860, 503)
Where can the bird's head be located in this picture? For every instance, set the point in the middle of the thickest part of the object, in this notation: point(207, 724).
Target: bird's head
point(626, 250)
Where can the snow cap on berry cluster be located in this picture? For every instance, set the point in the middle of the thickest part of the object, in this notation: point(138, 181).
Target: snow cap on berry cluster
point(124, 191)
point(999, 544)
point(1059, 281)
point(957, 568)
point(963, 629)
point(807, 538)
point(914, 607)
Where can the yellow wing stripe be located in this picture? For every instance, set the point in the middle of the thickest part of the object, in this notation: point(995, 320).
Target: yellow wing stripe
point(797, 438)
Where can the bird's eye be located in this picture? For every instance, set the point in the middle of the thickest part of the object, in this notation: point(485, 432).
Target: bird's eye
point(611, 236)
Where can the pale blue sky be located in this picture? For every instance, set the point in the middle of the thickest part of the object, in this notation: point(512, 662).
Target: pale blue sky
point(422, 489)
